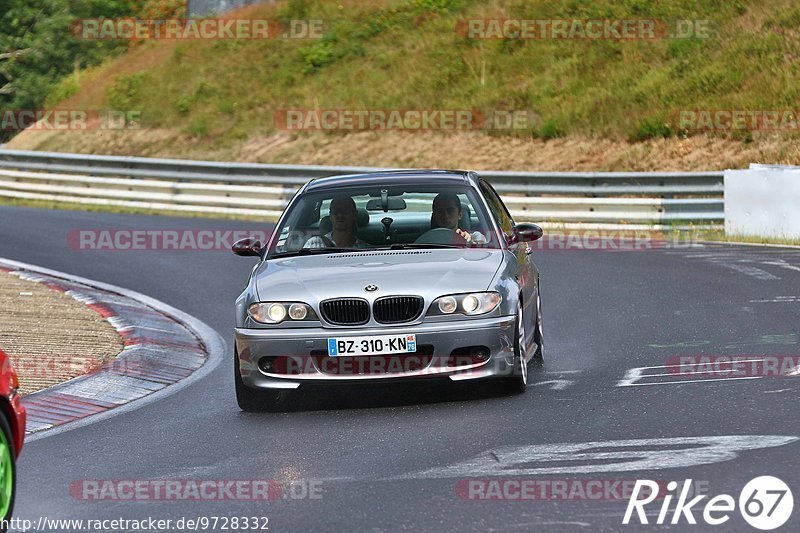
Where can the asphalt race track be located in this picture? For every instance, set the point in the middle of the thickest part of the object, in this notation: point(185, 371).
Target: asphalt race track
point(398, 458)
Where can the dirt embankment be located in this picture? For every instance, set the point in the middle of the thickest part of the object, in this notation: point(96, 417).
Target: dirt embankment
point(476, 151)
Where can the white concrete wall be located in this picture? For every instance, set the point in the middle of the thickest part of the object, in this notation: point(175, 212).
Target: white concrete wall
point(763, 201)
point(201, 8)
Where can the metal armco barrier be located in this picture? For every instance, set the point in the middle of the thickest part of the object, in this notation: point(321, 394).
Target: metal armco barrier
point(633, 200)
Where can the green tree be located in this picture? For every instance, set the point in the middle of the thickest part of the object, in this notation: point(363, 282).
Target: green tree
point(37, 47)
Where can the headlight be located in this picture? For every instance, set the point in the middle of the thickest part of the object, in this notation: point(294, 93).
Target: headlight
point(277, 312)
point(298, 311)
point(14, 380)
point(447, 305)
point(471, 304)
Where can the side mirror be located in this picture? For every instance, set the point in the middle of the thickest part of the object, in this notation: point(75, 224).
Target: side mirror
point(247, 247)
point(525, 232)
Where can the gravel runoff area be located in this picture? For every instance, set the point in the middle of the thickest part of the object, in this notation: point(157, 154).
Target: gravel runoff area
point(49, 335)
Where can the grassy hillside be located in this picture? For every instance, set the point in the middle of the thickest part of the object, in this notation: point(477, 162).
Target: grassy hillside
point(406, 54)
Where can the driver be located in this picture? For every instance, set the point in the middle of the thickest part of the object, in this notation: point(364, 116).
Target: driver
point(446, 214)
point(344, 217)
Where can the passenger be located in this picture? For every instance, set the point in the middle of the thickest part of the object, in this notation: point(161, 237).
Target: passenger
point(447, 213)
point(344, 222)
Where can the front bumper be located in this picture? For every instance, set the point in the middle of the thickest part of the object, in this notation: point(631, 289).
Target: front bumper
point(306, 351)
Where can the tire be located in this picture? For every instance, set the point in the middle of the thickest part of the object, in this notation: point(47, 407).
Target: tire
point(538, 336)
point(249, 399)
point(518, 381)
point(8, 472)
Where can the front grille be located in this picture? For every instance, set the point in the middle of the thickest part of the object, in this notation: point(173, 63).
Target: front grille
point(345, 312)
point(395, 309)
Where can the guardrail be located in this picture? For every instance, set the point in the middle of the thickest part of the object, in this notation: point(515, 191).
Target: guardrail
point(634, 200)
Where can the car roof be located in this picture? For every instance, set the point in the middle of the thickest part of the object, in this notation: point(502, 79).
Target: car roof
point(393, 178)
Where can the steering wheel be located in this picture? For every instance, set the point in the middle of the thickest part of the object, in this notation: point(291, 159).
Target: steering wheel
point(437, 236)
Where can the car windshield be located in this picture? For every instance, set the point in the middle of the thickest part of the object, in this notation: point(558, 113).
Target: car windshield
point(383, 217)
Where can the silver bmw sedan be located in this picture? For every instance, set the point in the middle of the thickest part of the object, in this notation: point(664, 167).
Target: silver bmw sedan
point(400, 275)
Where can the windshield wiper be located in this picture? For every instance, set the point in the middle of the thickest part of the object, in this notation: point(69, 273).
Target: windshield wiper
point(314, 251)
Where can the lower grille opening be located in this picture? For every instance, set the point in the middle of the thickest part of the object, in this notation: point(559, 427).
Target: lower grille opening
point(375, 365)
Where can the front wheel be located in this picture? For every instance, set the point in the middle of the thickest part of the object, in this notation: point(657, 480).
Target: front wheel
point(538, 337)
point(518, 381)
point(249, 399)
point(8, 472)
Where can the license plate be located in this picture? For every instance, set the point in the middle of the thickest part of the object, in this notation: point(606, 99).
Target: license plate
point(372, 345)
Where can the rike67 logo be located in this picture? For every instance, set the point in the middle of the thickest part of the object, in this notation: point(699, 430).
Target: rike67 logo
point(765, 503)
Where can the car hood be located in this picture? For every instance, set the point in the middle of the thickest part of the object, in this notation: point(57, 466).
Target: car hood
point(427, 273)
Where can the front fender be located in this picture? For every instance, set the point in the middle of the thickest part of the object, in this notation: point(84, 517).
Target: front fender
point(248, 295)
point(506, 282)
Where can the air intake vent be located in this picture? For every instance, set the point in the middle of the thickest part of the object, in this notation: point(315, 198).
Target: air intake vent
point(345, 312)
point(395, 309)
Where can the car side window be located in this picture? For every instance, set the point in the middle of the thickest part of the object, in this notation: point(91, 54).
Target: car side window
point(497, 208)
